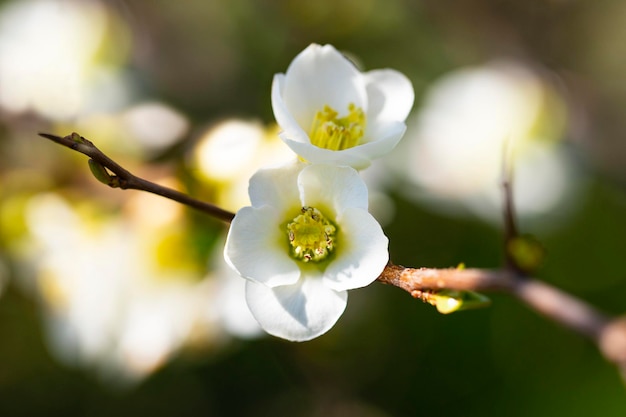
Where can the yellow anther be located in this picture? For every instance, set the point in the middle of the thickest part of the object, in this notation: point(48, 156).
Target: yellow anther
point(337, 133)
point(311, 235)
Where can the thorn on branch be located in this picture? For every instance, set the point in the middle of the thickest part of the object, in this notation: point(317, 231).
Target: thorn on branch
point(511, 233)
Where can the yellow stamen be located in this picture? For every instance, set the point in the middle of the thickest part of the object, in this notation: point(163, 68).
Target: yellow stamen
point(311, 235)
point(331, 132)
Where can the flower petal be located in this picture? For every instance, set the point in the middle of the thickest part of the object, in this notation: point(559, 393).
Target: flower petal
point(333, 186)
point(276, 187)
point(254, 248)
point(390, 95)
point(386, 134)
point(362, 252)
point(319, 76)
point(383, 138)
point(351, 156)
point(284, 118)
point(298, 312)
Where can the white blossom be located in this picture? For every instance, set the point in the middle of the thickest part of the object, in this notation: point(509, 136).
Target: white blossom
point(305, 241)
point(332, 113)
point(471, 121)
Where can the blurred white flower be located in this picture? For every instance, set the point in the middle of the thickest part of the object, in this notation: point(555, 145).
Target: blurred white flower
point(305, 241)
point(140, 130)
point(230, 152)
point(229, 305)
point(112, 297)
point(331, 113)
point(49, 56)
point(470, 121)
point(155, 126)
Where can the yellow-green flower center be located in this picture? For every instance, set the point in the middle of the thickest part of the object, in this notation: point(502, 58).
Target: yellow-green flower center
point(311, 235)
point(337, 133)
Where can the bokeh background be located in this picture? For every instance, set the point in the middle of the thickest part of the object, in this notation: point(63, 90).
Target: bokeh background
point(118, 303)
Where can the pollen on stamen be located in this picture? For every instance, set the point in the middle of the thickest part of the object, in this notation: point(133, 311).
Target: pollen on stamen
point(311, 235)
point(337, 133)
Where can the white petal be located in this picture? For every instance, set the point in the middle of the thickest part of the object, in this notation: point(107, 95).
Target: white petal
point(383, 139)
point(284, 118)
point(390, 95)
point(255, 248)
point(320, 76)
point(276, 187)
point(386, 136)
point(296, 312)
point(333, 186)
point(362, 252)
point(313, 154)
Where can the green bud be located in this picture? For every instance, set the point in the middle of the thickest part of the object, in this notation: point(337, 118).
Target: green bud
point(100, 172)
point(77, 138)
point(526, 252)
point(450, 301)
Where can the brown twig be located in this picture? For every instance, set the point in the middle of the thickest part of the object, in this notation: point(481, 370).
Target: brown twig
point(608, 333)
point(562, 308)
point(413, 280)
point(124, 180)
point(550, 301)
point(510, 225)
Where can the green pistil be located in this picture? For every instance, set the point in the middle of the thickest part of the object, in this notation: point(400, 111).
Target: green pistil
point(337, 133)
point(311, 235)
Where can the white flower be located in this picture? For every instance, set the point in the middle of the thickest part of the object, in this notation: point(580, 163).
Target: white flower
point(331, 113)
point(470, 121)
point(305, 241)
point(126, 317)
point(61, 73)
point(230, 152)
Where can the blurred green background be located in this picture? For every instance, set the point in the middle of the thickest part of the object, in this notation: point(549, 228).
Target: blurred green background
point(389, 355)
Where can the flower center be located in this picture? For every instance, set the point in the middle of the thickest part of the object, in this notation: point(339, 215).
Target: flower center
point(311, 235)
point(331, 132)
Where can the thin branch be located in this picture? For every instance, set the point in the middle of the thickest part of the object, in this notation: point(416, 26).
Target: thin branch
point(608, 333)
point(510, 225)
point(562, 308)
point(415, 280)
point(550, 301)
point(571, 312)
point(124, 180)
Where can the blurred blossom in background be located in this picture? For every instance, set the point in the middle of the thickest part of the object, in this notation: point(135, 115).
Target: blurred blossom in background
point(142, 130)
point(66, 61)
point(228, 153)
point(473, 119)
point(122, 294)
point(120, 285)
point(61, 58)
